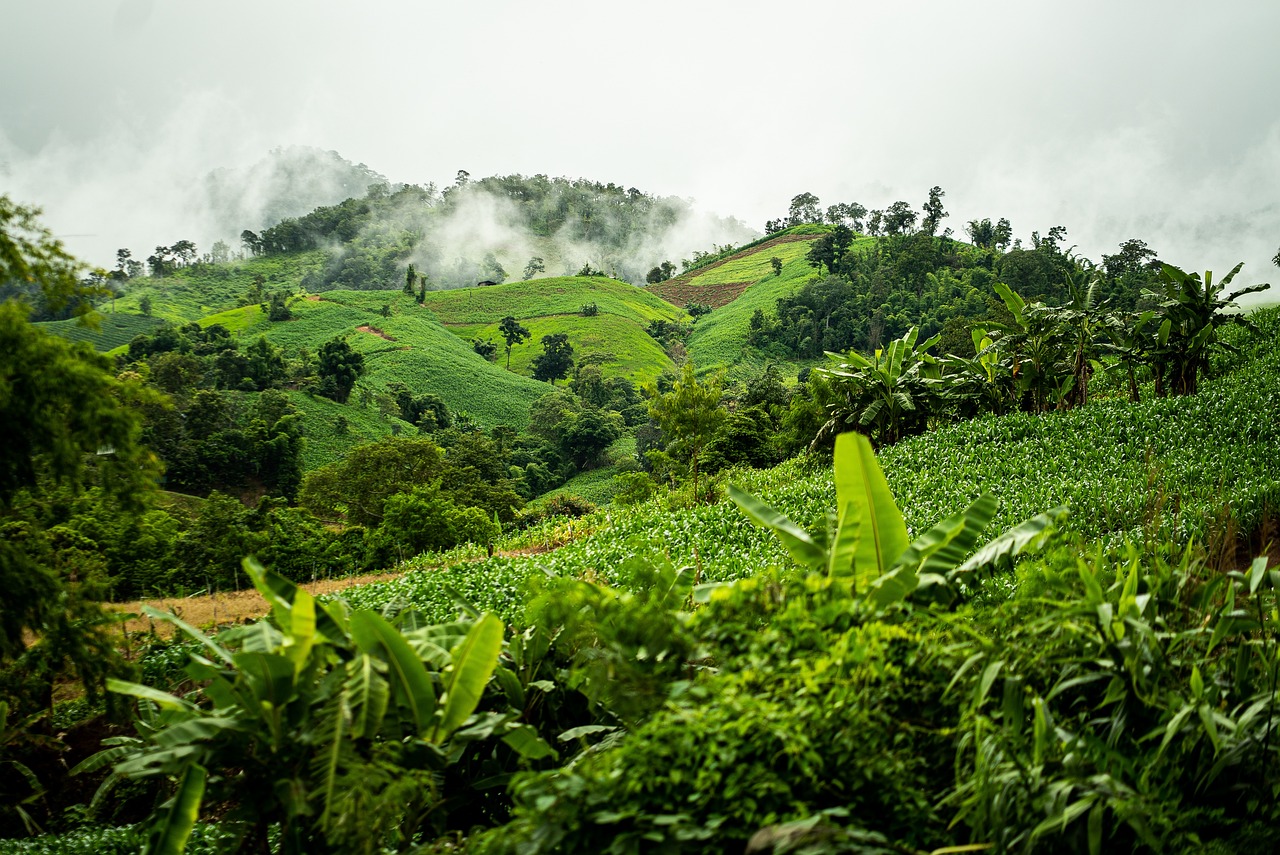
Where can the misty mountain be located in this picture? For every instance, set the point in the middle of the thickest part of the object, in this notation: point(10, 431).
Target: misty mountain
point(497, 228)
point(288, 182)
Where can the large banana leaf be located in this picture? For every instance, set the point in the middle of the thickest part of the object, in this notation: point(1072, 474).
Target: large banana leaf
point(1022, 538)
point(170, 836)
point(946, 543)
point(162, 699)
point(411, 682)
point(473, 662)
point(285, 598)
point(860, 482)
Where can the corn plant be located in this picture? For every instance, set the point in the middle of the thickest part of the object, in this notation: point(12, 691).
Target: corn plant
point(335, 724)
point(1145, 686)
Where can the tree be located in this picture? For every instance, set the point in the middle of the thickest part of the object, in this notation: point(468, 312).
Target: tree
point(776, 264)
point(184, 252)
point(534, 267)
point(68, 422)
point(689, 416)
point(493, 270)
point(410, 279)
point(661, 273)
point(35, 268)
point(584, 436)
point(251, 242)
point(804, 209)
point(886, 396)
point(933, 212)
point(513, 333)
point(982, 233)
point(339, 367)
point(485, 347)
point(899, 218)
point(556, 360)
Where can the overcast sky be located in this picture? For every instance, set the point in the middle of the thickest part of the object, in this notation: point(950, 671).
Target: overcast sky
point(1158, 120)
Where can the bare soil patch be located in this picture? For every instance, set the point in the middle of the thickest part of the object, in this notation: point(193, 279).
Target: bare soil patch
point(375, 331)
point(232, 607)
point(678, 291)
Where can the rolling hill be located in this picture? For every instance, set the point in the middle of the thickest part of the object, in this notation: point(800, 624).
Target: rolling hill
point(554, 305)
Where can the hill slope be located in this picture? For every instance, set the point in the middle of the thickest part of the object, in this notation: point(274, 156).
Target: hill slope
point(408, 345)
point(553, 305)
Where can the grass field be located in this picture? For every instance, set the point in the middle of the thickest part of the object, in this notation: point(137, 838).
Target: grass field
point(719, 341)
point(409, 346)
point(556, 295)
point(636, 355)
point(201, 290)
point(115, 329)
point(333, 429)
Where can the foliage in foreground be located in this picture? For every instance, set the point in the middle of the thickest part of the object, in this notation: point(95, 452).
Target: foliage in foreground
point(335, 725)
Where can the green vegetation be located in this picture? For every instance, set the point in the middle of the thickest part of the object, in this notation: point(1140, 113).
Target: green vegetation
point(560, 295)
point(722, 339)
point(113, 330)
point(193, 292)
point(851, 673)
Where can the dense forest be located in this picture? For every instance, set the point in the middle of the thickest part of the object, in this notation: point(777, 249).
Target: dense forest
point(957, 545)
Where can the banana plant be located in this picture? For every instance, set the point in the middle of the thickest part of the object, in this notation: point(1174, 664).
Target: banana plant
point(886, 396)
point(866, 545)
point(335, 725)
point(1191, 312)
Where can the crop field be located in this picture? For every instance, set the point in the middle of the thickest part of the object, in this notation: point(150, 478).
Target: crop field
point(635, 354)
point(555, 295)
point(408, 346)
point(115, 329)
point(200, 290)
point(333, 429)
point(719, 339)
point(1165, 467)
point(720, 283)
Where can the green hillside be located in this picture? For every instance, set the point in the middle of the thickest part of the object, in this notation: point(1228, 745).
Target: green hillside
point(408, 346)
point(114, 329)
point(553, 305)
point(194, 292)
point(719, 341)
point(553, 295)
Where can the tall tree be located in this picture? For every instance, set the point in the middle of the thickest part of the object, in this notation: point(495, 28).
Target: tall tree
point(689, 416)
point(933, 212)
point(69, 421)
point(513, 333)
point(339, 367)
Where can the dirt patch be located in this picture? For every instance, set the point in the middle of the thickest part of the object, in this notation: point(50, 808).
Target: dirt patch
point(225, 607)
point(375, 331)
point(313, 298)
point(678, 291)
point(232, 607)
